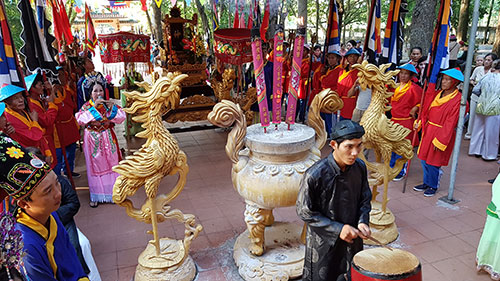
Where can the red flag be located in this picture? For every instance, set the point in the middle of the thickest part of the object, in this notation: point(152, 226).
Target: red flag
point(90, 35)
point(57, 22)
point(236, 22)
point(265, 22)
point(66, 28)
point(250, 21)
point(242, 21)
point(144, 7)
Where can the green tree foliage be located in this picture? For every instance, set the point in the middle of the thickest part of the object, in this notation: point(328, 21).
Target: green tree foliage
point(13, 18)
point(484, 7)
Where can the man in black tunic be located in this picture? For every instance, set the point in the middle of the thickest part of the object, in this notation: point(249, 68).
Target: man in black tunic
point(334, 201)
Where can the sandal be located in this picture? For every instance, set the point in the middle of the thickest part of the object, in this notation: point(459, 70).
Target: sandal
point(93, 204)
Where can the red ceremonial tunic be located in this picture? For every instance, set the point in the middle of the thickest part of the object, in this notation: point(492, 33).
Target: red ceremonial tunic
point(304, 75)
point(345, 83)
point(286, 75)
point(67, 130)
point(439, 120)
point(46, 119)
point(316, 84)
point(28, 132)
point(403, 100)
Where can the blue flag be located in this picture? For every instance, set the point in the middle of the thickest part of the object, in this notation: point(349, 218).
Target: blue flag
point(438, 53)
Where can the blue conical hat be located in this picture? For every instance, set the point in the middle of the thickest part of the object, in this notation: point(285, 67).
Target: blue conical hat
point(8, 91)
point(409, 67)
point(2, 108)
point(29, 80)
point(454, 73)
point(352, 52)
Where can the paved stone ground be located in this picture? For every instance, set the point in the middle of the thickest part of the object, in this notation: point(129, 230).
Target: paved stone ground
point(444, 237)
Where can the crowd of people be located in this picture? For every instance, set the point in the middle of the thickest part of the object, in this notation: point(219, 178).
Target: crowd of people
point(42, 125)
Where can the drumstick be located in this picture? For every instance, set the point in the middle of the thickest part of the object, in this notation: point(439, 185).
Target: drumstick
point(379, 243)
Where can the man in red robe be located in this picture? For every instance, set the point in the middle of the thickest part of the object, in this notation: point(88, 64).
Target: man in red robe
point(347, 87)
point(326, 77)
point(45, 107)
point(405, 103)
point(27, 131)
point(438, 121)
point(67, 131)
point(304, 77)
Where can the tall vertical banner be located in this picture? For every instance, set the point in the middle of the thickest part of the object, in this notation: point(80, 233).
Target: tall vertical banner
point(277, 74)
point(390, 50)
point(293, 87)
point(37, 48)
point(438, 53)
point(332, 41)
point(90, 35)
point(215, 18)
point(8, 63)
point(260, 82)
point(372, 40)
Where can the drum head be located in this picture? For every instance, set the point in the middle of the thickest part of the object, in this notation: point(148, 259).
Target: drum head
point(386, 262)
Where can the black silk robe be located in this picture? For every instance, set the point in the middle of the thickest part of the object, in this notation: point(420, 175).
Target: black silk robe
point(328, 199)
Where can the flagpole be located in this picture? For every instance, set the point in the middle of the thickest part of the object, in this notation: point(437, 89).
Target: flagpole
point(463, 103)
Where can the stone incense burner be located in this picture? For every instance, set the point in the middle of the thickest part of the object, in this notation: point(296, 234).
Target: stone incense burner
point(267, 170)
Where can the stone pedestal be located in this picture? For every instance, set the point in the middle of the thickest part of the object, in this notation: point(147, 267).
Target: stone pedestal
point(382, 225)
point(282, 260)
point(167, 267)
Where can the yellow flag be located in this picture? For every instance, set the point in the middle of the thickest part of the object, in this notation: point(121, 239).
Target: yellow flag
point(158, 3)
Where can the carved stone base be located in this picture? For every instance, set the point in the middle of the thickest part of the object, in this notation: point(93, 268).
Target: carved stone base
point(382, 225)
point(282, 260)
point(168, 267)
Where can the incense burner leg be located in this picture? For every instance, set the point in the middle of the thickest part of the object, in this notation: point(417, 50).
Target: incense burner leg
point(255, 218)
point(268, 217)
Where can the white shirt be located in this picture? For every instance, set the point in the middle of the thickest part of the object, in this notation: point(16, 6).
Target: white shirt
point(364, 99)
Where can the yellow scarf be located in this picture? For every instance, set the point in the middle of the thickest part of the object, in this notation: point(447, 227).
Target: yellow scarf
point(26, 120)
point(344, 75)
point(438, 100)
point(399, 92)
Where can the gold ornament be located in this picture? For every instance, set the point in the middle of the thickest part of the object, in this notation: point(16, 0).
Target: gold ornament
point(160, 156)
point(384, 137)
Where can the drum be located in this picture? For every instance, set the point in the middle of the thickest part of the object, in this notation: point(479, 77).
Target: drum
point(383, 264)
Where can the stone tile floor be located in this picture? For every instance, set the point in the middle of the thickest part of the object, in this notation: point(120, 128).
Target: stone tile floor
point(444, 237)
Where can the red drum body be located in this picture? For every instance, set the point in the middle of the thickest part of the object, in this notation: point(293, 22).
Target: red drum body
point(378, 264)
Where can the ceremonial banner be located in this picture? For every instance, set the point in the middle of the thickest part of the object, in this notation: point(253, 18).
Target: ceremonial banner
point(124, 47)
point(260, 83)
point(90, 35)
point(332, 42)
point(277, 74)
point(8, 63)
point(119, 4)
point(293, 86)
point(236, 22)
point(438, 53)
point(37, 48)
point(215, 18)
point(372, 40)
point(66, 28)
point(265, 21)
point(144, 5)
point(233, 45)
point(390, 51)
point(158, 3)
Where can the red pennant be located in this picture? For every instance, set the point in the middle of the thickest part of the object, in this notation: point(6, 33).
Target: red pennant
point(265, 22)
